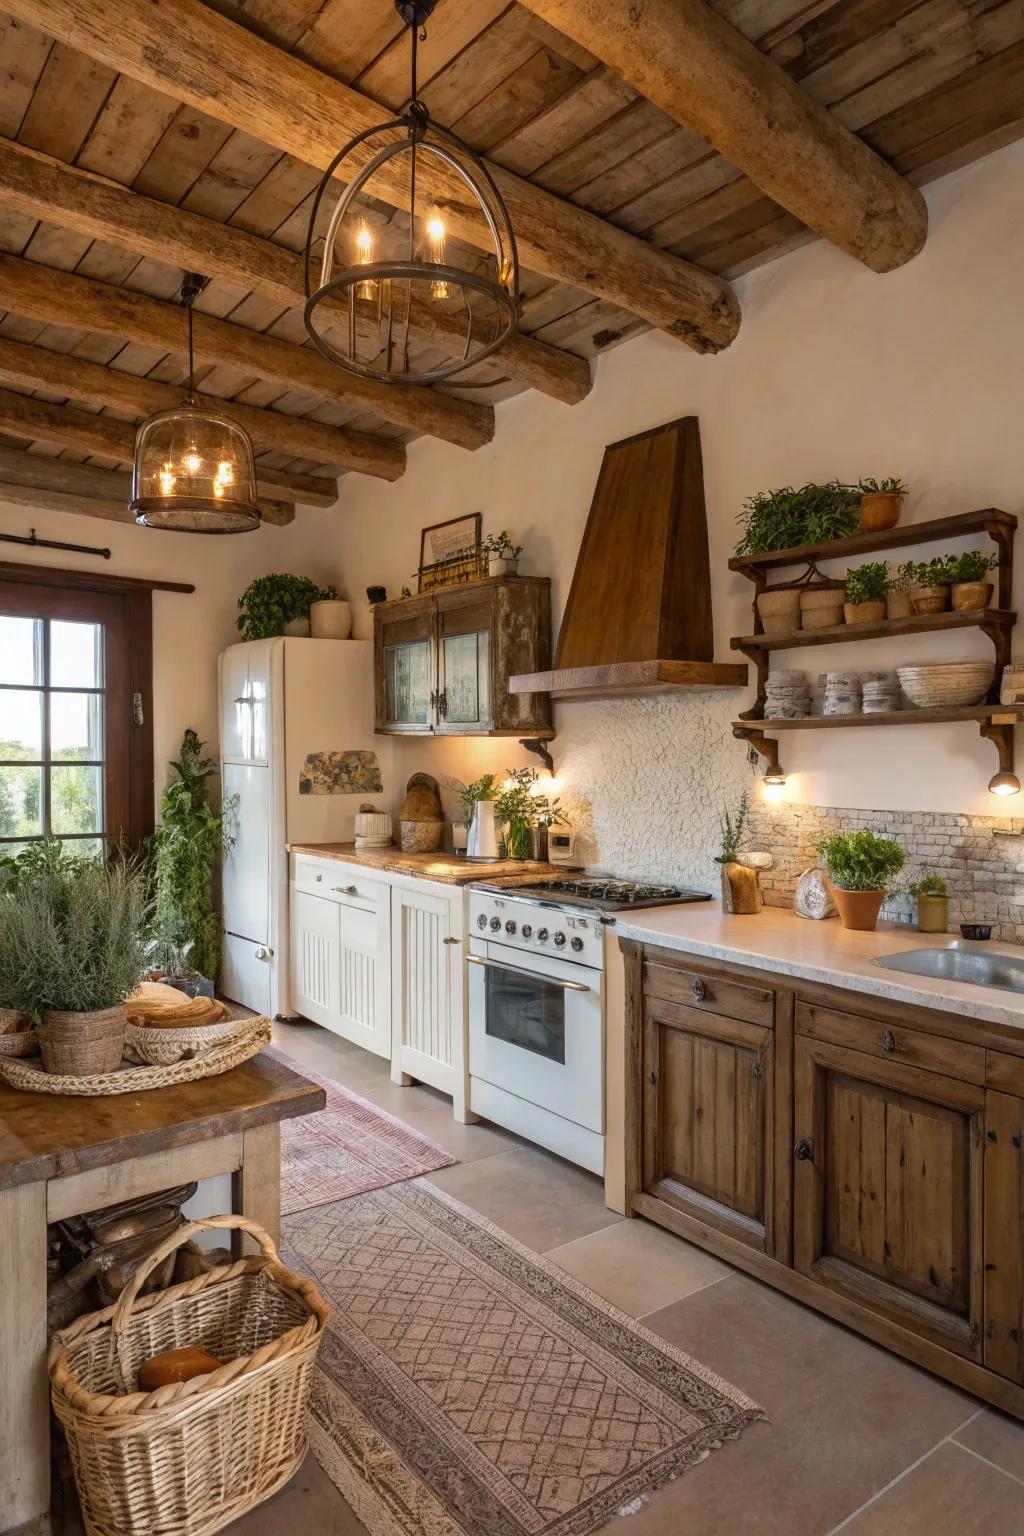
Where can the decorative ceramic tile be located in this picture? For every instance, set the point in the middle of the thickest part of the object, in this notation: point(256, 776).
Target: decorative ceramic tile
point(341, 773)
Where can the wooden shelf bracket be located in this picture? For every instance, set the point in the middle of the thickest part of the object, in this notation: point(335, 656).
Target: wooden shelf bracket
point(764, 746)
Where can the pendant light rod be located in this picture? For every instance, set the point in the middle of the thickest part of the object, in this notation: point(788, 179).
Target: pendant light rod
point(192, 286)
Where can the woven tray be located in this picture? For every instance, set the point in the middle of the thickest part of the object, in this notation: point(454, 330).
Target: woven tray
point(249, 1039)
point(23, 1042)
point(162, 1047)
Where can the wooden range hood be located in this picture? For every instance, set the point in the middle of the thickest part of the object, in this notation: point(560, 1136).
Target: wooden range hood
point(638, 618)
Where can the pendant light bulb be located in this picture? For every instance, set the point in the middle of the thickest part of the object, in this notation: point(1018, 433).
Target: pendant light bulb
point(1004, 784)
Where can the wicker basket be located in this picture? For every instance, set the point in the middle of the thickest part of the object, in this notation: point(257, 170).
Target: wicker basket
point(81, 1044)
point(189, 1458)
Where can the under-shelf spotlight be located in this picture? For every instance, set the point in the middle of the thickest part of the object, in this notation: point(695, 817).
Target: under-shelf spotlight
point(1004, 784)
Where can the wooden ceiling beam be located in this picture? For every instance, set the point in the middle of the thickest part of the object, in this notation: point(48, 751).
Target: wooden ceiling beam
point(32, 480)
point(66, 427)
point(189, 51)
point(39, 187)
point(63, 298)
point(690, 62)
point(73, 378)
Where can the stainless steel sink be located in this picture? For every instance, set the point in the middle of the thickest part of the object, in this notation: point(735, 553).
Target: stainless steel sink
point(976, 964)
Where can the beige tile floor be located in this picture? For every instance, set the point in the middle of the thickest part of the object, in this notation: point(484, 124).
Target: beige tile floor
point(858, 1441)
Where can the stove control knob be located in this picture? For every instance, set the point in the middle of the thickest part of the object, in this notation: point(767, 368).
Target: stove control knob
point(481, 921)
point(526, 930)
point(510, 926)
point(559, 940)
point(495, 924)
point(542, 935)
point(577, 944)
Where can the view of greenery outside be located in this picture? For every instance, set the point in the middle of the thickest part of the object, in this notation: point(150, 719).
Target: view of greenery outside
point(74, 792)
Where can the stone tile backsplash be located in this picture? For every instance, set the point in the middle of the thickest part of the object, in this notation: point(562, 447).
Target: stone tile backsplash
point(981, 858)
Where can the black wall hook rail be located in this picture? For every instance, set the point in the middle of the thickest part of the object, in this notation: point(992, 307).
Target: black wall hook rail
point(34, 542)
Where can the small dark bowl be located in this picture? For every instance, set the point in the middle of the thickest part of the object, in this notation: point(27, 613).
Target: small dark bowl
point(377, 594)
point(976, 930)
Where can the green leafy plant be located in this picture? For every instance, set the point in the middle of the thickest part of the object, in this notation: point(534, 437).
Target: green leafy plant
point(934, 573)
point(485, 788)
point(82, 930)
point(732, 830)
point(785, 518)
point(972, 565)
point(860, 861)
point(929, 885)
point(37, 859)
point(500, 544)
point(271, 602)
point(514, 809)
point(890, 486)
point(904, 579)
point(187, 844)
point(867, 583)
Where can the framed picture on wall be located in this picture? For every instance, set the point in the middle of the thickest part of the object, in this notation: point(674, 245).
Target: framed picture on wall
point(450, 552)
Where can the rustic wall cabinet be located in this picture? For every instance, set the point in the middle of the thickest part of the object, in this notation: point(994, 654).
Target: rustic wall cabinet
point(443, 659)
point(865, 1157)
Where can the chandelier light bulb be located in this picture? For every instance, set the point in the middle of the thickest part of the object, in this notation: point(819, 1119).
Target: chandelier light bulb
point(364, 256)
point(435, 234)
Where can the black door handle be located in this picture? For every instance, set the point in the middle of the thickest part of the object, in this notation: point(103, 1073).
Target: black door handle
point(804, 1150)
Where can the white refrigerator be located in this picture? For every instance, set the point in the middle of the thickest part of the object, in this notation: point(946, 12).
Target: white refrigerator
point(299, 755)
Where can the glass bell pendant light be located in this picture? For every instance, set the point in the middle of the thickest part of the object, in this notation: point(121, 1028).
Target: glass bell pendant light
point(378, 285)
point(194, 470)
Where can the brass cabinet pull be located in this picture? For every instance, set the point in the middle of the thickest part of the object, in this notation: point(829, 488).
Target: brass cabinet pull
point(451, 941)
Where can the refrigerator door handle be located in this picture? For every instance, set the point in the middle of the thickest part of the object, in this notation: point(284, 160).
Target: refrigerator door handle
point(263, 953)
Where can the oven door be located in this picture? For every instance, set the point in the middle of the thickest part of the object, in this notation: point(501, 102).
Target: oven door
point(536, 1029)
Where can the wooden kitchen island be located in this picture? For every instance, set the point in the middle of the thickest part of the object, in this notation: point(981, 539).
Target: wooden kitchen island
point(61, 1156)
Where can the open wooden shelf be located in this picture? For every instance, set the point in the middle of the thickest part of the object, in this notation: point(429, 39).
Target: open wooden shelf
point(623, 678)
point(988, 520)
point(939, 716)
point(841, 634)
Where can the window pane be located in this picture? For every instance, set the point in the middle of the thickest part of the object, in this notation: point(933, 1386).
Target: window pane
point(76, 727)
point(21, 724)
point(21, 650)
point(20, 802)
point(76, 800)
point(76, 655)
point(83, 847)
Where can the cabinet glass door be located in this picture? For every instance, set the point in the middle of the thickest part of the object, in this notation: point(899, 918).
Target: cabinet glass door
point(407, 673)
point(466, 672)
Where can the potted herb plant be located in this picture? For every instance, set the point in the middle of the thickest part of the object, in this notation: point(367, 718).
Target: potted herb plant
point(513, 809)
point(932, 899)
point(741, 887)
point(930, 593)
point(899, 603)
point(477, 801)
point(786, 518)
point(860, 867)
point(547, 813)
point(502, 554)
point(967, 576)
point(279, 605)
point(187, 847)
point(865, 593)
point(881, 502)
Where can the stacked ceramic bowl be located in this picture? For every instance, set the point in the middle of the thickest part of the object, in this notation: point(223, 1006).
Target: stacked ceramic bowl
point(880, 692)
point(948, 685)
point(840, 693)
point(787, 695)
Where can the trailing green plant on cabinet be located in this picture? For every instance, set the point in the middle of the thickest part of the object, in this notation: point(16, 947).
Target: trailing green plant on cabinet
point(443, 659)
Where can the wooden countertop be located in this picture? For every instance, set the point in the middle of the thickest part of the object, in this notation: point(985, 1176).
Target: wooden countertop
point(45, 1136)
point(442, 867)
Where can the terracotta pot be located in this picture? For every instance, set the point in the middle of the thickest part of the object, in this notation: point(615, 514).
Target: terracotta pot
point(971, 594)
point(864, 613)
point(779, 612)
point(930, 599)
point(879, 510)
point(899, 605)
point(80, 1044)
point(821, 607)
point(933, 914)
point(330, 619)
point(741, 890)
point(857, 909)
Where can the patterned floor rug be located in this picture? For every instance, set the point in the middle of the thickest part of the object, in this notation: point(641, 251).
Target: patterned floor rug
point(469, 1386)
point(348, 1148)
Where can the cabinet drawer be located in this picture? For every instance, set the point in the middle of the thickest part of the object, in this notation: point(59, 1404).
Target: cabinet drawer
point(338, 881)
point(705, 990)
point(952, 1058)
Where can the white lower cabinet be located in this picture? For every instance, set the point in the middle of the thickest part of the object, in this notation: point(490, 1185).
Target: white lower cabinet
point(428, 988)
point(340, 966)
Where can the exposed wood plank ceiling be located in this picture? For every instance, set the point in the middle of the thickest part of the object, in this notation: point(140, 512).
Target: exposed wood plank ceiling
point(928, 84)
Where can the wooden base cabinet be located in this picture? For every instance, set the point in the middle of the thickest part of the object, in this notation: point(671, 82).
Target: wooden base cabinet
point(865, 1157)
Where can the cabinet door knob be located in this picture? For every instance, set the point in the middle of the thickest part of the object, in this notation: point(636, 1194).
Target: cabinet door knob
point(450, 940)
point(888, 1040)
point(698, 990)
point(804, 1150)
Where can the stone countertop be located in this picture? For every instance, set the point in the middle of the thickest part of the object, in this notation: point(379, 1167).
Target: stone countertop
point(775, 939)
point(442, 867)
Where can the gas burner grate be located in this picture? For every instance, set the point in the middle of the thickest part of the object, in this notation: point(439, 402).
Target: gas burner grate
point(625, 892)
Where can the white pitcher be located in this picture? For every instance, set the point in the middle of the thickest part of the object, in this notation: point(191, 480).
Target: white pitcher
point(483, 834)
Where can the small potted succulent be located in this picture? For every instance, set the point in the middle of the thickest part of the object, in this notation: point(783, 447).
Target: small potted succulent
point(932, 899)
point(930, 593)
point(860, 867)
point(967, 573)
point(899, 602)
point(866, 587)
point(502, 554)
point(741, 888)
point(881, 502)
point(279, 605)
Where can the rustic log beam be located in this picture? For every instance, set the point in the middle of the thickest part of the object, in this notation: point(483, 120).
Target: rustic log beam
point(30, 479)
point(39, 187)
point(74, 378)
point(66, 427)
point(63, 298)
point(689, 61)
point(191, 52)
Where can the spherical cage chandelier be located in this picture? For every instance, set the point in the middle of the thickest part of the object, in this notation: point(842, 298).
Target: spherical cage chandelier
point(369, 301)
point(194, 470)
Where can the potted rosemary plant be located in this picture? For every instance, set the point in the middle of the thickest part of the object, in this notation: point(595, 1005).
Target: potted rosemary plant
point(860, 867)
point(932, 899)
point(741, 887)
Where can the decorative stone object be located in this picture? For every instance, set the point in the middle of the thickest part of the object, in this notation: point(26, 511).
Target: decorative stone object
point(813, 897)
point(351, 772)
point(756, 860)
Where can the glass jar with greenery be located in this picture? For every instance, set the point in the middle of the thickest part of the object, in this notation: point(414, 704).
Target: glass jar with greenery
point(860, 868)
point(514, 811)
point(275, 605)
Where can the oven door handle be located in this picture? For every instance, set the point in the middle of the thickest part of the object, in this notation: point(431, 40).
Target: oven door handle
point(518, 970)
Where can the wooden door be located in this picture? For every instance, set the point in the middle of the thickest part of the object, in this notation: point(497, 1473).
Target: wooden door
point(888, 1189)
point(707, 1118)
point(405, 646)
point(464, 662)
point(1004, 1235)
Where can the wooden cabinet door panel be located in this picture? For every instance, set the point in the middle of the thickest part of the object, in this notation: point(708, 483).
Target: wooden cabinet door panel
point(888, 1189)
point(707, 1117)
point(1004, 1235)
